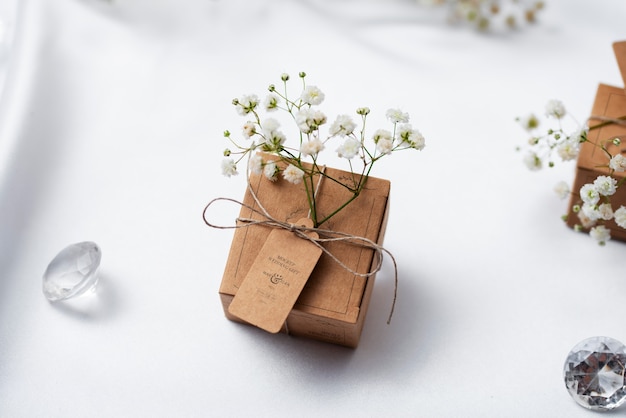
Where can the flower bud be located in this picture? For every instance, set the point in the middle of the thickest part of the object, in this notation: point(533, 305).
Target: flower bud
point(284, 77)
point(226, 152)
point(227, 134)
point(302, 74)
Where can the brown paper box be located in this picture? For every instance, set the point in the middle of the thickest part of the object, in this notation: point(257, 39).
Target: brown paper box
point(333, 304)
point(592, 161)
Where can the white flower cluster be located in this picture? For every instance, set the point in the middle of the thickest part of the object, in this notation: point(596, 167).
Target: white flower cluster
point(483, 14)
point(266, 136)
point(542, 146)
point(269, 152)
point(595, 197)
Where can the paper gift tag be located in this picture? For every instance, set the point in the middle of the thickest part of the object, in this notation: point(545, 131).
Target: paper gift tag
point(276, 278)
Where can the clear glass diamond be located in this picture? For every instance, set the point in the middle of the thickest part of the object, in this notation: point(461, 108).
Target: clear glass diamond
point(594, 373)
point(72, 272)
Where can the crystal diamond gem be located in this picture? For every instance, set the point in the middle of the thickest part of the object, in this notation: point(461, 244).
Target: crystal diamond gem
point(594, 373)
point(72, 272)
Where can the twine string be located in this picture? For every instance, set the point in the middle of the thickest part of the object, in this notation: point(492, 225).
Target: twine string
point(607, 120)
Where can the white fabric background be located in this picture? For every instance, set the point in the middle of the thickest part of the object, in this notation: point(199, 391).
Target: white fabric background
point(111, 130)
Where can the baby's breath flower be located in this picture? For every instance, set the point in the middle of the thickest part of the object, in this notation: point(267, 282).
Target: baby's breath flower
point(555, 108)
point(585, 221)
point(312, 147)
point(249, 129)
point(343, 125)
point(605, 185)
point(312, 95)
point(349, 149)
point(605, 211)
point(411, 137)
point(256, 164)
point(382, 134)
point(600, 233)
point(532, 161)
point(589, 194)
point(618, 163)
point(270, 170)
point(591, 211)
point(568, 150)
point(580, 135)
point(246, 104)
point(293, 174)
point(384, 145)
point(397, 116)
point(271, 102)
point(562, 189)
point(620, 217)
point(229, 168)
point(310, 120)
point(529, 122)
point(269, 125)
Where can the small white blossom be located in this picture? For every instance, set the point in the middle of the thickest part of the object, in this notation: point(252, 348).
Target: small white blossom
point(271, 102)
point(562, 189)
point(343, 126)
point(229, 168)
point(580, 135)
point(555, 108)
point(620, 217)
point(349, 148)
point(256, 164)
point(309, 120)
point(618, 163)
point(589, 194)
point(397, 116)
point(247, 103)
point(532, 161)
point(269, 125)
point(312, 147)
point(274, 138)
point(568, 150)
point(412, 137)
point(384, 145)
point(600, 233)
point(605, 211)
point(585, 220)
point(293, 174)
point(312, 95)
point(249, 129)
point(382, 134)
point(270, 170)
point(592, 212)
point(605, 185)
point(529, 122)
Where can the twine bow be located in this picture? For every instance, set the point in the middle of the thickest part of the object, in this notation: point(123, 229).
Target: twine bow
point(324, 236)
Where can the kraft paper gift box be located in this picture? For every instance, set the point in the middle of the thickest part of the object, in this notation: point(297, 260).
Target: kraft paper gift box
point(610, 102)
point(333, 303)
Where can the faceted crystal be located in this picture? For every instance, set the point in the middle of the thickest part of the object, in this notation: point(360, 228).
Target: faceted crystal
point(72, 272)
point(594, 373)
